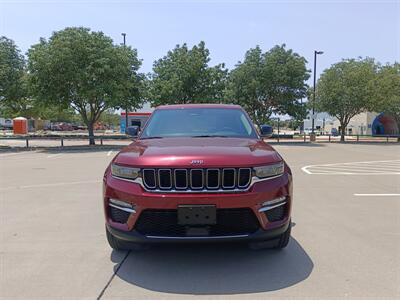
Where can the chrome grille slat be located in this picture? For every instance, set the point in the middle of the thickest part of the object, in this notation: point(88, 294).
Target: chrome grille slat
point(147, 175)
point(178, 186)
point(196, 179)
point(166, 177)
point(242, 173)
point(208, 185)
point(226, 179)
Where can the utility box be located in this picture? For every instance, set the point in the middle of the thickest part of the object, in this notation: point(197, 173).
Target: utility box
point(20, 125)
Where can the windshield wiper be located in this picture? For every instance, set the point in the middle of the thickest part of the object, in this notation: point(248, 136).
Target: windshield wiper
point(206, 136)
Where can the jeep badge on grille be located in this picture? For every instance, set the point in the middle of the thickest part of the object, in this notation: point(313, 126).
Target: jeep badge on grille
point(197, 162)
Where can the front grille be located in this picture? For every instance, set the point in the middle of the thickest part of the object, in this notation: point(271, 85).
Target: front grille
point(118, 215)
point(197, 179)
point(149, 177)
point(276, 214)
point(180, 176)
point(238, 221)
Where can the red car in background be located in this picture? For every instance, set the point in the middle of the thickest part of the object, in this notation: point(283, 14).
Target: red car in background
point(61, 127)
point(198, 173)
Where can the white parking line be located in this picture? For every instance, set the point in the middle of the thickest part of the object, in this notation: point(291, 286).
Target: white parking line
point(352, 173)
point(7, 188)
point(58, 184)
point(383, 167)
point(54, 155)
point(377, 195)
point(48, 185)
point(17, 153)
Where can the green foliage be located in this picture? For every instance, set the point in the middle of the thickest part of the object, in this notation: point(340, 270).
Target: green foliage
point(55, 113)
point(83, 70)
point(270, 82)
point(343, 89)
point(386, 91)
point(109, 117)
point(13, 87)
point(184, 76)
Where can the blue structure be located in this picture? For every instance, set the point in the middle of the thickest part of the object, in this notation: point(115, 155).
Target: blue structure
point(384, 124)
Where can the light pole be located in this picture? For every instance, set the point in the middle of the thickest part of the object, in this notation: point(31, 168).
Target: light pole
point(278, 129)
point(126, 107)
point(315, 78)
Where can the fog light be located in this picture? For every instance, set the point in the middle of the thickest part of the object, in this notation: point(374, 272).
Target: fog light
point(122, 205)
point(267, 205)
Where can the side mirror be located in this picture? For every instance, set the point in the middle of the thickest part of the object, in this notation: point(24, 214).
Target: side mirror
point(132, 131)
point(266, 131)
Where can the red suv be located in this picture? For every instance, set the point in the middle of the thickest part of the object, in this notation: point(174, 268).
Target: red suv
point(198, 173)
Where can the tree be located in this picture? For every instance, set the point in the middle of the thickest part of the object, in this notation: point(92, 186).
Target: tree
point(109, 117)
point(386, 91)
point(270, 82)
point(343, 90)
point(13, 87)
point(84, 70)
point(184, 76)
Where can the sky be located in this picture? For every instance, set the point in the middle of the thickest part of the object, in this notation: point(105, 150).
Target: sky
point(342, 29)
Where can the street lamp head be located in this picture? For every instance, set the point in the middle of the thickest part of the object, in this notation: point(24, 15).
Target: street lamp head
point(319, 52)
point(123, 34)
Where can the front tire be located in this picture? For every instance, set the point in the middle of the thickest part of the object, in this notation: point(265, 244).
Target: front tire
point(284, 239)
point(115, 243)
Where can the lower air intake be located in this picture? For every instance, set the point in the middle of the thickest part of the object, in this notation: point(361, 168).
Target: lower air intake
point(276, 214)
point(118, 216)
point(164, 223)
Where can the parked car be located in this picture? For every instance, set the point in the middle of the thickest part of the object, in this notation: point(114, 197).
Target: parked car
point(101, 126)
point(61, 127)
point(78, 127)
point(334, 132)
point(198, 173)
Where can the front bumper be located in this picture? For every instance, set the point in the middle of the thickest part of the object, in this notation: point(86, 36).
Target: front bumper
point(252, 199)
point(259, 235)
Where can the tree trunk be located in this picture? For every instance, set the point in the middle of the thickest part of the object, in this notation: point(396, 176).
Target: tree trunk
point(342, 131)
point(91, 133)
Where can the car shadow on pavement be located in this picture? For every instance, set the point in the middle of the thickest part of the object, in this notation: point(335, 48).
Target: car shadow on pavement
point(209, 269)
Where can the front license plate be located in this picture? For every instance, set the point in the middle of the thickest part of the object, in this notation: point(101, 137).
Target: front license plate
point(197, 215)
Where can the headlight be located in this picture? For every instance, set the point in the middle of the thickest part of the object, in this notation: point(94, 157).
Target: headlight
point(269, 170)
point(124, 172)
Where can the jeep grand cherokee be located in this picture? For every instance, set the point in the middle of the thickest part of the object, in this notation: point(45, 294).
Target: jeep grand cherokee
point(198, 173)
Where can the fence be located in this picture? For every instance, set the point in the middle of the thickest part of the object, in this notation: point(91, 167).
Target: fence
point(334, 138)
point(80, 140)
point(59, 140)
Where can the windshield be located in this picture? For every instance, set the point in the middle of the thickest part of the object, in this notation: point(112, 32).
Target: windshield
point(199, 122)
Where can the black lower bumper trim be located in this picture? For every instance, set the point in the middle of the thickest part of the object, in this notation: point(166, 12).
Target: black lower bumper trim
point(259, 235)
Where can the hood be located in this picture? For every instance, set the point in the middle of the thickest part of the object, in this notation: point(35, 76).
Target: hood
point(211, 152)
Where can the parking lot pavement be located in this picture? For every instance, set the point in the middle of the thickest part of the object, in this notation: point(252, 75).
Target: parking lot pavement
point(345, 245)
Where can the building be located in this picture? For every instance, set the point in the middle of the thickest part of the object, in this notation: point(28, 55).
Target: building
point(366, 123)
point(322, 121)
